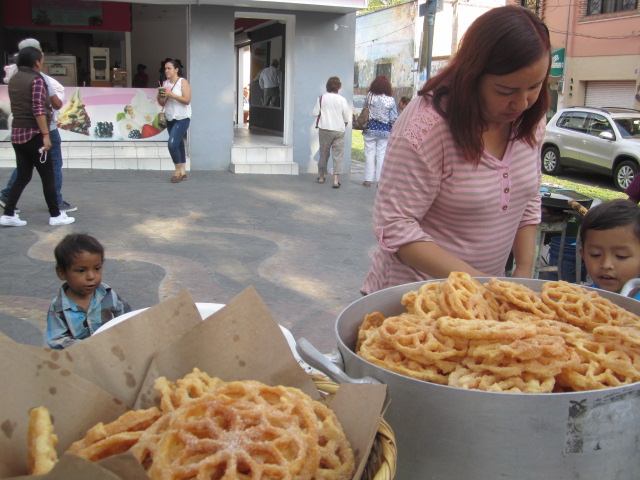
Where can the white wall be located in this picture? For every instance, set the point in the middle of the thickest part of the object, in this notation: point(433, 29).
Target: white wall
point(212, 53)
point(323, 47)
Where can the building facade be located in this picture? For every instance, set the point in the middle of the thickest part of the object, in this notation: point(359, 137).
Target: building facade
point(313, 41)
point(392, 41)
point(597, 51)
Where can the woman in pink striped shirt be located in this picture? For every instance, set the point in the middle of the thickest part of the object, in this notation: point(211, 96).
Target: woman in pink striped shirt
point(460, 184)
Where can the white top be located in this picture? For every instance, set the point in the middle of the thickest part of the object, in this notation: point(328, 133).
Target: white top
point(174, 109)
point(57, 88)
point(269, 78)
point(334, 112)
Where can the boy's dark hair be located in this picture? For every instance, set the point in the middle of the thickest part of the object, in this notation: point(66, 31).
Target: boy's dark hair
point(608, 215)
point(405, 100)
point(28, 56)
point(71, 246)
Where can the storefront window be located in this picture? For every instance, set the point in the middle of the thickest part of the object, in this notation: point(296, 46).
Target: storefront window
point(267, 73)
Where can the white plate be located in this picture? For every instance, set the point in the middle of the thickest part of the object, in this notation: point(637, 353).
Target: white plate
point(206, 310)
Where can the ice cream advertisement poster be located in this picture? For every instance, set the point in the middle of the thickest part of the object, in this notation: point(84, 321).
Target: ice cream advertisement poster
point(100, 114)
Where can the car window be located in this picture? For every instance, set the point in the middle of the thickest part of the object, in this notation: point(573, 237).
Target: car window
point(574, 121)
point(598, 124)
point(629, 127)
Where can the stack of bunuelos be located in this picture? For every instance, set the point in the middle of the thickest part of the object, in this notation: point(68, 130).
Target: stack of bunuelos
point(208, 428)
point(504, 337)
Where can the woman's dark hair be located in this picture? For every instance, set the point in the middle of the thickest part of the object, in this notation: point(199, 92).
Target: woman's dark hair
point(28, 56)
point(71, 246)
point(334, 85)
point(616, 213)
point(381, 86)
point(500, 41)
point(177, 64)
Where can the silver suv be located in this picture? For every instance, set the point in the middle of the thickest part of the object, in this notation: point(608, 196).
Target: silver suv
point(602, 140)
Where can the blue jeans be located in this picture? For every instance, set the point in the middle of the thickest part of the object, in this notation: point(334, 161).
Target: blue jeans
point(55, 153)
point(177, 130)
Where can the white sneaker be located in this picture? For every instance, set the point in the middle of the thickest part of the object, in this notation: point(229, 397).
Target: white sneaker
point(14, 221)
point(61, 219)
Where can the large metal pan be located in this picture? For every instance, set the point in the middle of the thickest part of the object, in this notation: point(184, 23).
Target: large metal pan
point(446, 433)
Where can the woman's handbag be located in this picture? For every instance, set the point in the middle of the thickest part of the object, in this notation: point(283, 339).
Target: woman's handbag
point(360, 122)
point(319, 112)
point(162, 119)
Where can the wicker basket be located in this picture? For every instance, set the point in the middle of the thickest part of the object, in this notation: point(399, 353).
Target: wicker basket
point(384, 454)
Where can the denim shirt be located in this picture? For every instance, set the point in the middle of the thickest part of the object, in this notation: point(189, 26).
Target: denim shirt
point(67, 323)
point(636, 296)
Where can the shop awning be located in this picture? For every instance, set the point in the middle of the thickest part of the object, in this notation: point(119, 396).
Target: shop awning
point(336, 6)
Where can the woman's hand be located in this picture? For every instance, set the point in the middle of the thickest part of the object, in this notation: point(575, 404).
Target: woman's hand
point(43, 125)
point(524, 248)
point(430, 258)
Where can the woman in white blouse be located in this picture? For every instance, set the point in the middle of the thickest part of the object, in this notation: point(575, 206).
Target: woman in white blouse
point(332, 116)
point(382, 115)
point(176, 98)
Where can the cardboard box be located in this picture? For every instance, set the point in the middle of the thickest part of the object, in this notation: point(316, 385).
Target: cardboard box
point(101, 377)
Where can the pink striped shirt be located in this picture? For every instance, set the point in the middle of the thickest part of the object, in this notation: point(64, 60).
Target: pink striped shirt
point(429, 193)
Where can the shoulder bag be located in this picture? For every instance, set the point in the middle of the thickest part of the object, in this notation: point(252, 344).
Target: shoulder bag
point(319, 111)
point(360, 122)
point(162, 117)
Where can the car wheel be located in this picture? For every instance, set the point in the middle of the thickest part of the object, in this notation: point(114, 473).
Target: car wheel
point(551, 161)
point(624, 174)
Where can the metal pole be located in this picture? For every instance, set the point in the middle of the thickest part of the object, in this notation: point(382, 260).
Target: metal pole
point(431, 20)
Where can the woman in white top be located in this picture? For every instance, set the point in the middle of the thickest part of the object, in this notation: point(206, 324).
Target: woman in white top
point(176, 98)
point(332, 112)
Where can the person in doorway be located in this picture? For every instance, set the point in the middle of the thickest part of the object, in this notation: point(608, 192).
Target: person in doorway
point(245, 103)
point(332, 116)
point(56, 92)
point(269, 82)
point(460, 186)
point(30, 137)
point(84, 303)
point(610, 244)
point(141, 79)
point(402, 103)
point(382, 115)
point(176, 99)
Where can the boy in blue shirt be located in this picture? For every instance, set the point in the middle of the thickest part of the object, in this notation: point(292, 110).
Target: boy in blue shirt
point(84, 303)
point(610, 237)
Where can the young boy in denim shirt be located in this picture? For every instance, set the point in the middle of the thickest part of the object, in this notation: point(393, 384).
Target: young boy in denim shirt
point(84, 303)
point(610, 237)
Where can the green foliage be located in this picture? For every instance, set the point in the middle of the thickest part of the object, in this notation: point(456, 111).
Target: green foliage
point(374, 5)
point(357, 146)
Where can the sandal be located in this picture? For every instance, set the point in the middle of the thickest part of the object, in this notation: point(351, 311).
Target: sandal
point(337, 185)
point(184, 177)
point(176, 179)
point(366, 184)
point(320, 180)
